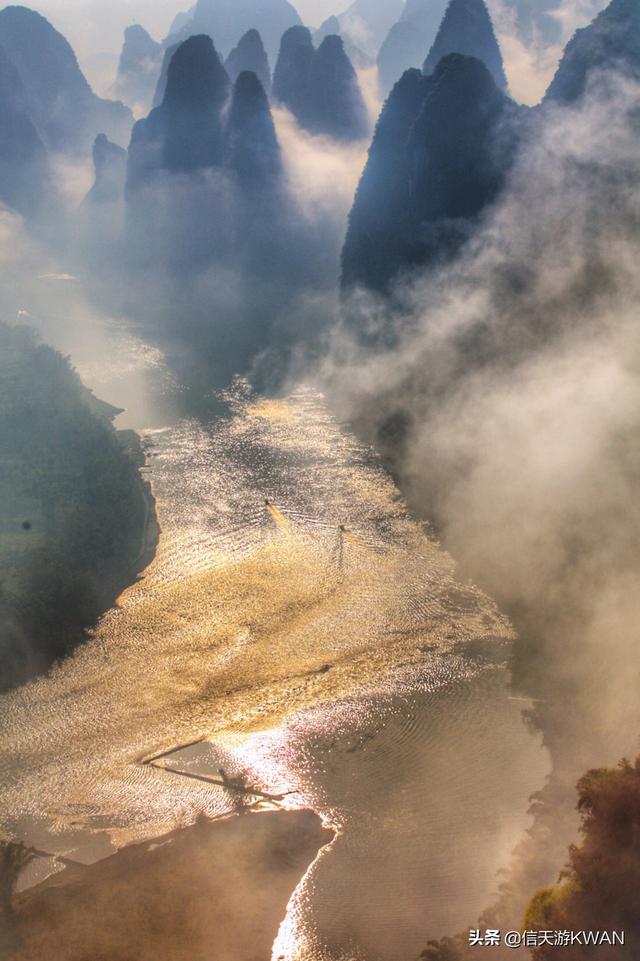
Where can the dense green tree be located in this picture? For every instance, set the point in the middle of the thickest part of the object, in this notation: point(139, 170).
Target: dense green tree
point(598, 891)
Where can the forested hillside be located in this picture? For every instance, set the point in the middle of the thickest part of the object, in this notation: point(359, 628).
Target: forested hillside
point(73, 510)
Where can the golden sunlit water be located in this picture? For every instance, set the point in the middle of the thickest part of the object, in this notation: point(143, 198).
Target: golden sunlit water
point(299, 629)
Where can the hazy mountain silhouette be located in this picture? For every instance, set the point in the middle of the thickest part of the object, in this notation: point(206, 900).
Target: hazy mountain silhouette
point(320, 87)
point(197, 89)
point(467, 29)
point(335, 105)
point(23, 157)
point(363, 27)
point(110, 164)
point(250, 55)
point(253, 152)
point(209, 220)
point(612, 41)
point(140, 62)
point(366, 23)
point(263, 218)
point(185, 132)
point(161, 85)
point(409, 40)
point(440, 155)
point(231, 209)
point(292, 73)
point(328, 27)
point(331, 27)
point(66, 112)
point(228, 20)
point(373, 248)
point(180, 21)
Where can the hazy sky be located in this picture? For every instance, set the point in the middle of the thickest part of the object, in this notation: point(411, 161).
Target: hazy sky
point(94, 27)
point(93, 17)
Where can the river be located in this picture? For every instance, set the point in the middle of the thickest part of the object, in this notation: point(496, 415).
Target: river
point(299, 629)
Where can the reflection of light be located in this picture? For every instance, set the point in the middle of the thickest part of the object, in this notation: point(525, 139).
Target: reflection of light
point(293, 943)
point(288, 945)
point(264, 755)
point(235, 626)
point(271, 410)
point(59, 278)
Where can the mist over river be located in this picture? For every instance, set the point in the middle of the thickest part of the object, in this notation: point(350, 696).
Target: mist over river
point(297, 627)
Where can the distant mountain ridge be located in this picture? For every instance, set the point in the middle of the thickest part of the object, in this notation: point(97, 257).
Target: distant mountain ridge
point(138, 69)
point(320, 87)
point(366, 23)
point(409, 40)
point(23, 156)
point(62, 105)
point(226, 21)
point(249, 54)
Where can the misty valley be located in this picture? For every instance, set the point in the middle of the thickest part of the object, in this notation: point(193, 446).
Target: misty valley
point(319, 434)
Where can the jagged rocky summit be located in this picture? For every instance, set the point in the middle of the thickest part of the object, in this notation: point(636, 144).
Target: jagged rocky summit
point(440, 155)
point(467, 29)
point(320, 87)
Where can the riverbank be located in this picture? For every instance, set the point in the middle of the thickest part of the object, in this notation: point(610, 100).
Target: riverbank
point(150, 531)
point(216, 891)
point(77, 520)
